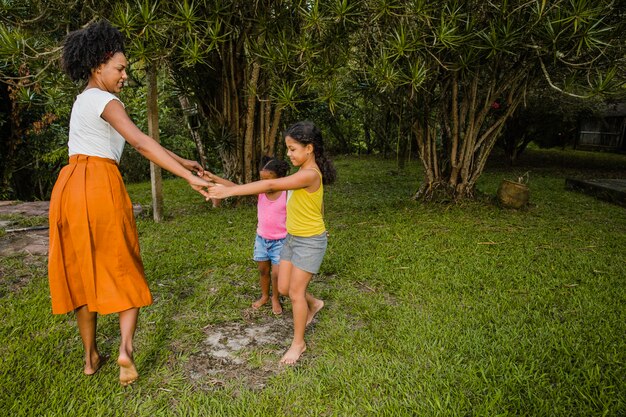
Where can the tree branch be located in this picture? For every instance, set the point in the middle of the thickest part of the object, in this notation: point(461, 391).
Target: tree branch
point(551, 84)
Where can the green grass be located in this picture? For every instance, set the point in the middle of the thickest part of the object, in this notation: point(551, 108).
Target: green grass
point(430, 309)
point(19, 220)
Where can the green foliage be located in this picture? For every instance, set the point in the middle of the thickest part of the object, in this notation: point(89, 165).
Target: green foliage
point(435, 69)
point(430, 309)
point(36, 131)
point(39, 97)
point(34, 98)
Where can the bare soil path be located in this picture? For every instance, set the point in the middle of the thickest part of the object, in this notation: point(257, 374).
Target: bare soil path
point(31, 240)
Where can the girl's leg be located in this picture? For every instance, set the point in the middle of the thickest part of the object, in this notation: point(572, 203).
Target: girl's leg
point(264, 282)
point(315, 305)
point(128, 324)
point(276, 307)
point(284, 276)
point(87, 322)
point(299, 281)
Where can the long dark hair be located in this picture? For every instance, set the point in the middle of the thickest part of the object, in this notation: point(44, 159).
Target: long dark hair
point(305, 133)
point(85, 49)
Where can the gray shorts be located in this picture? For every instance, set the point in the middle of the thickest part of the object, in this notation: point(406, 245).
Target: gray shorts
point(305, 253)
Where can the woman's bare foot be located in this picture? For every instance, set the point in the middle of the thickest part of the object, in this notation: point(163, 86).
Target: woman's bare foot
point(276, 307)
point(313, 309)
point(293, 354)
point(260, 302)
point(93, 363)
point(128, 372)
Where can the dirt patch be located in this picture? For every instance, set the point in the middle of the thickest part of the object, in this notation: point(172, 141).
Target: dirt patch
point(247, 352)
point(28, 220)
point(28, 209)
point(27, 238)
point(31, 243)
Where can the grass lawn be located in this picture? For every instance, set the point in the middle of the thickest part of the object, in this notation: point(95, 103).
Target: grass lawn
point(431, 310)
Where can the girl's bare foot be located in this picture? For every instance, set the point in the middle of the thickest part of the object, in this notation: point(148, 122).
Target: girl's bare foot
point(93, 363)
point(128, 372)
point(313, 309)
point(293, 354)
point(276, 307)
point(260, 302)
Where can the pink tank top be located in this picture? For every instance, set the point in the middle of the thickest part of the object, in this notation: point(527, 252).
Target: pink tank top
point(272, 216)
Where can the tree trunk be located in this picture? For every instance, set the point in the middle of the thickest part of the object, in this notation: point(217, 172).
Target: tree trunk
point(193, 129)
point(271, 139)
point(153, 131)
point(249, 137)
point(469, 128)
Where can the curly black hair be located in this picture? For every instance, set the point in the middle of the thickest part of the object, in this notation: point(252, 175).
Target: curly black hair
point(85, 49)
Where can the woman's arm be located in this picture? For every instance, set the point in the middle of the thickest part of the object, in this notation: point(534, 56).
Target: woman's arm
point(189, 164)
point(301, 179)
point(115, 114)
point(209, 176)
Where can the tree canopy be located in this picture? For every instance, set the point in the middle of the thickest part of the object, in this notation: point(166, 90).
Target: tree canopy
point(441, 78)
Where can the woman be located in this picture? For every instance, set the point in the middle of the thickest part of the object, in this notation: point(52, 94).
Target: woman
point(94, 262)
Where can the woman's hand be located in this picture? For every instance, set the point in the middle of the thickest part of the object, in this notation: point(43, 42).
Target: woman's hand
point(200, 185)
point(219, 191)
point(192, 166)
point(207, 175)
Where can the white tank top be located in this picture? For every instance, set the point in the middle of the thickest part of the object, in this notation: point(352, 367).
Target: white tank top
point(90, 134)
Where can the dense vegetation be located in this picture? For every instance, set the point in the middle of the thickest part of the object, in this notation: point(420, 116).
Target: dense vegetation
point(433, 81)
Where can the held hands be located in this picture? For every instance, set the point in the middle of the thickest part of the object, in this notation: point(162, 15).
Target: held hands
point(215, 182)
point(219, 191)
point(197, 183)
point(200, 185)
point(206, 174)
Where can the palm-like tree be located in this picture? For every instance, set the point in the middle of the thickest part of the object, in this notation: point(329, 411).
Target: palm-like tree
point(261, 59)
point(462, 68)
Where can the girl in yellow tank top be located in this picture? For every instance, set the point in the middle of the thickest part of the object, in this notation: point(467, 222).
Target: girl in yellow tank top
point(305, 246)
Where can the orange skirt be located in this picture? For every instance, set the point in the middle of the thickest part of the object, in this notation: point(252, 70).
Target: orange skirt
point(94, 257)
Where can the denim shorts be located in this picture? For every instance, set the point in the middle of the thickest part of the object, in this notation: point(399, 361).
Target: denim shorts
point(305, 253)
point(267, 249)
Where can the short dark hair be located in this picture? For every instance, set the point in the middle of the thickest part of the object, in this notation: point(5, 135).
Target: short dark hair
point(85, 49)
point(275, 165)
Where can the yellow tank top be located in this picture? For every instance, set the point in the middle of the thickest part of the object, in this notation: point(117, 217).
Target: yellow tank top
point(304, 212)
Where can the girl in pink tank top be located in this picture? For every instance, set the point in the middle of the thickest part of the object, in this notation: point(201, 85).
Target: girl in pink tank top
point(271, 230)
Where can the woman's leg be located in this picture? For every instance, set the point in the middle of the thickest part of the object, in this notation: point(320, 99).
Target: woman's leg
point(87, 322)
point(276, 307)
point(264, 282)
point(299, 281)
point(128, 324)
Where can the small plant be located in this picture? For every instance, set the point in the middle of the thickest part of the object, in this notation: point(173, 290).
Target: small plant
point(524, 178)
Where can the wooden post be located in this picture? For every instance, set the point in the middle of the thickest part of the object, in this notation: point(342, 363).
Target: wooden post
point(153, 131)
